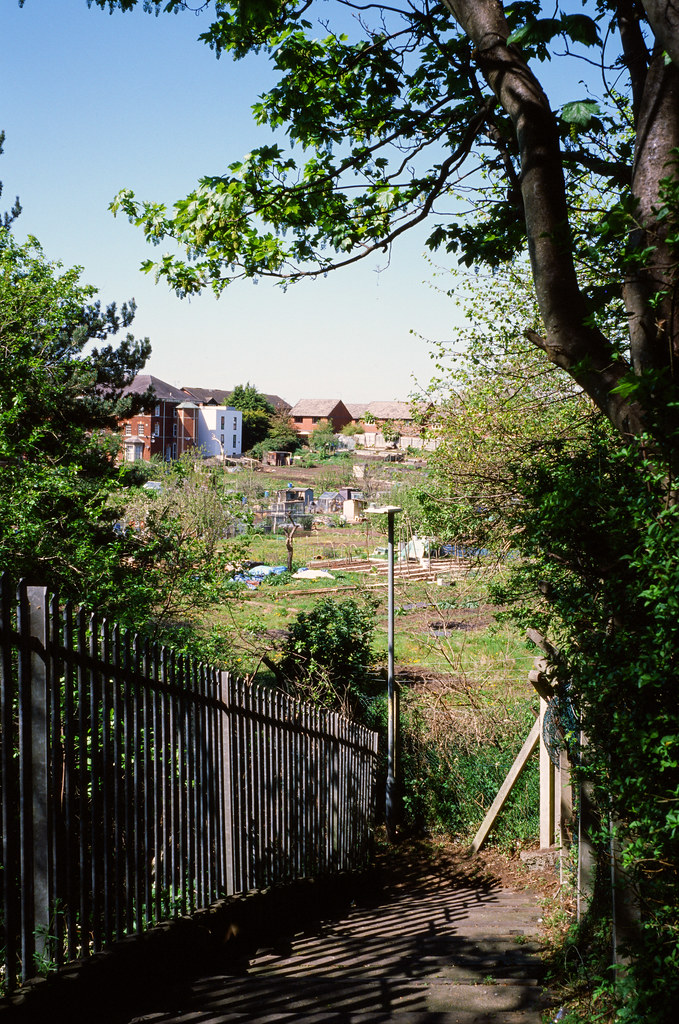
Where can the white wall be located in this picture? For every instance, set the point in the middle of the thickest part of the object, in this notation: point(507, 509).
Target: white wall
point(211, 432)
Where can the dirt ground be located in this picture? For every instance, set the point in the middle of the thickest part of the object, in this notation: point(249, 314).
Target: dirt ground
point(414, 863)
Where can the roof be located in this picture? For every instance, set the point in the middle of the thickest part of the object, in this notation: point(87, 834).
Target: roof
point(208, 396)
point(277, 401)
point(356, 409)
point(218, 396)
point(315, 406)
point(163, 392)
point(396, 410)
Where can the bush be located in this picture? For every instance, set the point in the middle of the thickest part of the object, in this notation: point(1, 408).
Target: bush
point(328, 653)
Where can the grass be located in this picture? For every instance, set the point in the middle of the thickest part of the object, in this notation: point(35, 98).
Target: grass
point(466, 704)
point(473, 646)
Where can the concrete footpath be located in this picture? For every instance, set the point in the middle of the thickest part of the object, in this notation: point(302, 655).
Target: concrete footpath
point(452, 950)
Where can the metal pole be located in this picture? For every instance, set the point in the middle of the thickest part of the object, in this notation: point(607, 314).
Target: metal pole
point(390, 809)
point(391, 801)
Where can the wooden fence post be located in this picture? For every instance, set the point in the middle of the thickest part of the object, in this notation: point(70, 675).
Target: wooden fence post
point(565, 802)
point(586, 851)
point(547, 801)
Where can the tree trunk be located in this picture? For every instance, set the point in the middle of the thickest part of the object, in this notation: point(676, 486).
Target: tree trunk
point(569, 341)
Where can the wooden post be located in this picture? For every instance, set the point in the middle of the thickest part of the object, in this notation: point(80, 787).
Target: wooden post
point(547, 803)
point(565, 792)
point(506, 787)
point(586, 852)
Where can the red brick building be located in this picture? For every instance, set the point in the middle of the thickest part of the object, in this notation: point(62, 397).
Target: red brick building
point(153, 431)
point(309, 412)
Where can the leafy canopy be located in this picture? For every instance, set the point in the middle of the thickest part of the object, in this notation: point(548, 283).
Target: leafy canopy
point(60, 396)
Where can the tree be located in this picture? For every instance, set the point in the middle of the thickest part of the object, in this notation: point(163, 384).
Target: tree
point(322, 436)
point(60, 398)
point(247, 398)
point(328, 652)
point(282, 436)
point(392, 111)
point(257, 412)
point(9, 216)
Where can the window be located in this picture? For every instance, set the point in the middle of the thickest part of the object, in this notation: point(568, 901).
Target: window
point(156, 430)
point(128, 429)
point(234, 442)
point(140, 429)
point(235, 423)
point(174, 450)
point(174, 429)
point(158, 409)
point(299, 419)
point(222, 425)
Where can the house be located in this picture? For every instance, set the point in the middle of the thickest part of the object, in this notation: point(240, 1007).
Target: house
point(217, 430)
point(394, 423)
point(356, 411)
point(309, 412)
point(172, 425)
point(154, 430)
point(216, 396)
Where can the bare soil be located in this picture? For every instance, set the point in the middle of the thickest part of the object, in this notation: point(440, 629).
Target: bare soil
point(423, 863)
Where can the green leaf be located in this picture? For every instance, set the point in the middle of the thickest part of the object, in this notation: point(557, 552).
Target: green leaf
point(580, 112)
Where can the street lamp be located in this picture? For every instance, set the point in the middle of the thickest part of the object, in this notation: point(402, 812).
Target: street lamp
point(392, 717)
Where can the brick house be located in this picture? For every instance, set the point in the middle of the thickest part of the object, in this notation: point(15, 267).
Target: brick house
point(405, 418)
point(154, 430)
point(309, 412)
point(173, 424)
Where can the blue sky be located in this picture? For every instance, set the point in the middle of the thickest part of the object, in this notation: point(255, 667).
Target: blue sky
point(91, 103)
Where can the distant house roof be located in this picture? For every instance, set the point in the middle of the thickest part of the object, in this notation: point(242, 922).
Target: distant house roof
point(396, 410)
point(356, 409)
point(162, 391)
point(218, 396)
point(208, 396)
point(278, 402)
point(329, 496)
point(315, 406)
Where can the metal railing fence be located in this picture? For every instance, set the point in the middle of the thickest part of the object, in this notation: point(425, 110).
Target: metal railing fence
point(136, 784)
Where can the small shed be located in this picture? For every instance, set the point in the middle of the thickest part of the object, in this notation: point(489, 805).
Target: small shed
point(352, 509)
point(277, 458)
point(329, 501)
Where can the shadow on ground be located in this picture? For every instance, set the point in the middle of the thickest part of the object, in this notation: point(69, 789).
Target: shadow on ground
point(439, 939)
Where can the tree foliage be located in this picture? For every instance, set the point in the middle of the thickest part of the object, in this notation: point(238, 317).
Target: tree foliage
point(247, 398)
point(392, 114)
point(414, 112)
point(59, 398)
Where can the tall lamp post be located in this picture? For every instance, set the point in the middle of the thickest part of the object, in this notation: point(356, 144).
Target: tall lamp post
point(392, 715)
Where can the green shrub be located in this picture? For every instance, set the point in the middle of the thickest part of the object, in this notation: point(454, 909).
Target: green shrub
point(328, 653)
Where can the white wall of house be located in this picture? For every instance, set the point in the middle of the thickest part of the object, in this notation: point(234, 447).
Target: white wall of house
point(220, 426)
